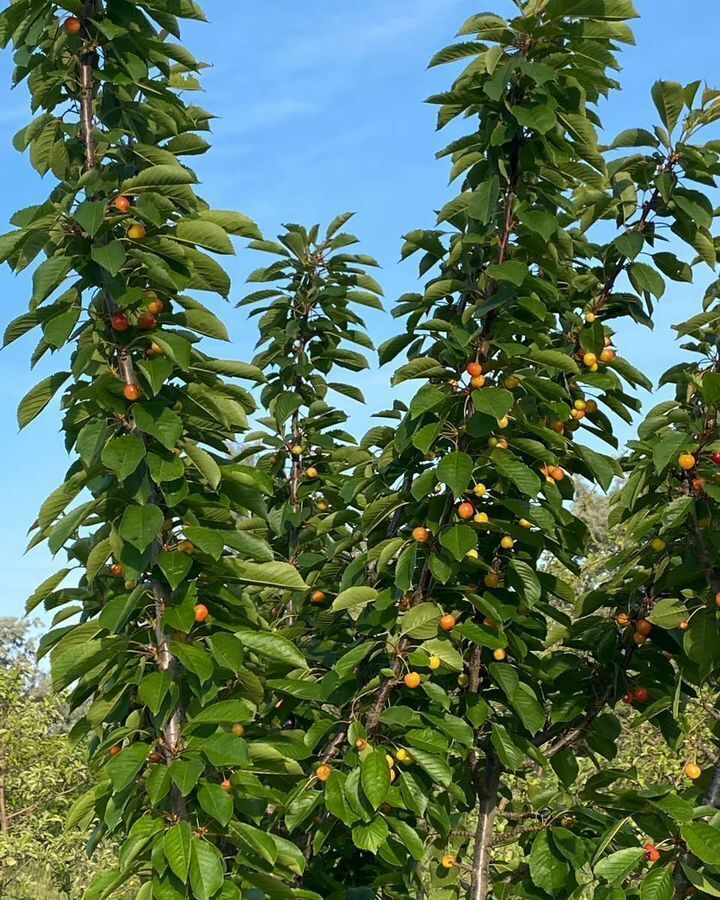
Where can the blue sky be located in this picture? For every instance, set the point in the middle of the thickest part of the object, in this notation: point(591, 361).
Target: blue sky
point(320, 111)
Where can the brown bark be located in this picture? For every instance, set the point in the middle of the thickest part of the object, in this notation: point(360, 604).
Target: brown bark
point(166, 662)
point(487, 790)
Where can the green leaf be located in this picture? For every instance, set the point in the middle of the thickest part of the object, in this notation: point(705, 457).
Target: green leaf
point(668, 613)
point(175, 565)
point(275, 574)
point(207, 871)
point(177, 846)
point(140, 525)
point(372, 836)
point(635, 137)
point(224, 711)
point(512, 271)
point(703, 884)
point(37, 398)
point(204, 234)
point(185, 774)
point(435, 767)
point(110, 256)
point(204, 463)
point(123, 455)
point(657, 885)
point(554, 359)
point(272, 646)
point(124, 768)
point(702, 641)
point(153, 689)
point(354, 598)
point(620, 864)
point(704, 841)
point(668, 448)
point(669, 101)
point(91, 215)
point(523, 579)
point(48, 276)
point(646, 279)
point(157, 176)
point(156, 420)
point(216, 802)
point(483, 200)
point(423, 367)
point(493, 401)
point(45, 589)
point(455, 470)
point(509, 466)
point(603, 468)
point(421, 621)
point(458, 539)
point(375, 777)
point(548, 869)
point(257, 841)
point(711, 388)
point(194, 658)
point(97, 558)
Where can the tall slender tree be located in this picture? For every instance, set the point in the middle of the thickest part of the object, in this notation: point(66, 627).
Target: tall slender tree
point(169, 647)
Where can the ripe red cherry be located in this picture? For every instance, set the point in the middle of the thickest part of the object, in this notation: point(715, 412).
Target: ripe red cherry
point(116, 569)
point(716, 458)
point(120, 322)
point(641, 695)
point(651, 852)
point(132, 392)
point(122, 204)
point(72, 25)
point(146, 321)
point(473, 369)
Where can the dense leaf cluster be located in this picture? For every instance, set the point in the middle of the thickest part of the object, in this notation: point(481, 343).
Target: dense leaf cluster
point(320, 667)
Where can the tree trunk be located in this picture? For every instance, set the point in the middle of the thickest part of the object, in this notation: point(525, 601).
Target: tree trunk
point(487, 810)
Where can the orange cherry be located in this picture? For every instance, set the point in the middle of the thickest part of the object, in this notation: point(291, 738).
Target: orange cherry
point(448, 622)
point(122, 204)
point(466, 511)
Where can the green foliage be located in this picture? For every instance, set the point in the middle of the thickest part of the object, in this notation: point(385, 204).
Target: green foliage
point(41, 777)
point(323, 667)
